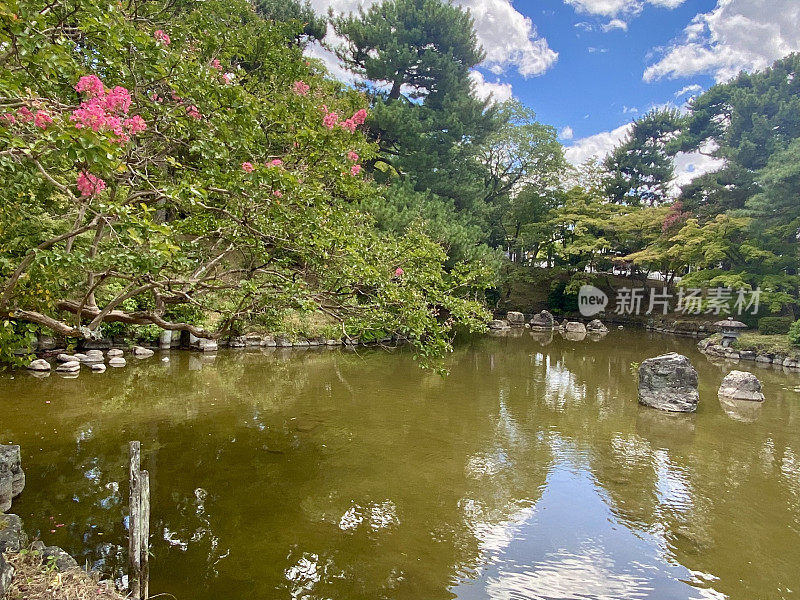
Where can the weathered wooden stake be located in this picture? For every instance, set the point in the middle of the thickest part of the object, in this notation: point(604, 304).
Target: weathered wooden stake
point(138, 526)
point(145, 536)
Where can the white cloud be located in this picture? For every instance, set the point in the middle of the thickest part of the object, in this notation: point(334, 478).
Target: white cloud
point(509, 38)
point(689, 89)
point(687, 165)
point(499, 92)
point(615, 24)
point(596, 146)
point(736, 35)
point(617, 8)
point(632, 110)
point(691, 165)
point(566, 133)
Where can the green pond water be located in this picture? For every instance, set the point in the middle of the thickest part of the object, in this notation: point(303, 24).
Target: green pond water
point(529, 472)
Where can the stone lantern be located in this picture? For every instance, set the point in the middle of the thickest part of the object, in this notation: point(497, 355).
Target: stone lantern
point(730, 330)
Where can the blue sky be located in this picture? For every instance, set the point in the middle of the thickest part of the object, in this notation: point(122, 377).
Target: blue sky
point(589, 67)
point(597, 82)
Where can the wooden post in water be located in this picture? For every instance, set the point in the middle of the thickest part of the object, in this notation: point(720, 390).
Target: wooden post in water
point(144, 536)
point(138, 526)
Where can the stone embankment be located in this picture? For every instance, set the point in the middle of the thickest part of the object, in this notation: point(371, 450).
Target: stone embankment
point(714, 349)
point(13, 538)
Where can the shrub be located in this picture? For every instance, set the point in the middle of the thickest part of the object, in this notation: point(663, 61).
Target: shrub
point(774, 325)
point(794, 334)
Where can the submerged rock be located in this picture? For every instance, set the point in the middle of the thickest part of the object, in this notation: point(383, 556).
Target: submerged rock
point(98, 368)
point(668, 382)
point(39, 364)
point(741, 385)
point(542, 320)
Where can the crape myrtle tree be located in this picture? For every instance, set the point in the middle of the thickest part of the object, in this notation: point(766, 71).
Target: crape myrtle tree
point(179, 164)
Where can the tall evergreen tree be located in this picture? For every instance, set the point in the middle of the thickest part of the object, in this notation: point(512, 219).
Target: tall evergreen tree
point(641, 168)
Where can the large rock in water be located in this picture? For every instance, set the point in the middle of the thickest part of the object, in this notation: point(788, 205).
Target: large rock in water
point(596, 326)
point(575, 327)
point(515, 319)
point(543, 320)
point(668, 382)
point(741, 385)
point(12, 477)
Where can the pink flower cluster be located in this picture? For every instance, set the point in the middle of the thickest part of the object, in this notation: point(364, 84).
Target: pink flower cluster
point(89, 185)
point(399, 272)
point(193, 112)
point(161, 37)
point(216, 65)
point(357, 119)
point(301, 88)
point(355, 170)
point(331, 119)
point(277, 162)
point(352, 156)
point(105, 110)
point(41, 119)
point(248, 167)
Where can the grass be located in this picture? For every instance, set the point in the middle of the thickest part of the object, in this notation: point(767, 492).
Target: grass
point(38, 579)
point(762, 344)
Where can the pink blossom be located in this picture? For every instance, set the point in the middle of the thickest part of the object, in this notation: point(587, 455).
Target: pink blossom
point(355, 170)
point(117, 100)
point(227, 78)
point(89, 115)
point(25, 115)
point(8, 118)
point(89, 185)
point(42, 119)
point(330, 120)
point(247, 167)
point(360, 116)
point(352, 156)
point(161, 37)
point(399, 272)
point(90, 84)
point(215, 64)
point(277, 194)
point(276, 162)
point(193, 112)
point(134, 125)
point(349, 125)
point(301, 88)
point(155, 97)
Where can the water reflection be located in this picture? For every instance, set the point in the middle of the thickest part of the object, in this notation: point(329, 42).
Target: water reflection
point(531, 472)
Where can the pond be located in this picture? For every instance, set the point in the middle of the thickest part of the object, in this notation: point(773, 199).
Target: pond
point(529, 472)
